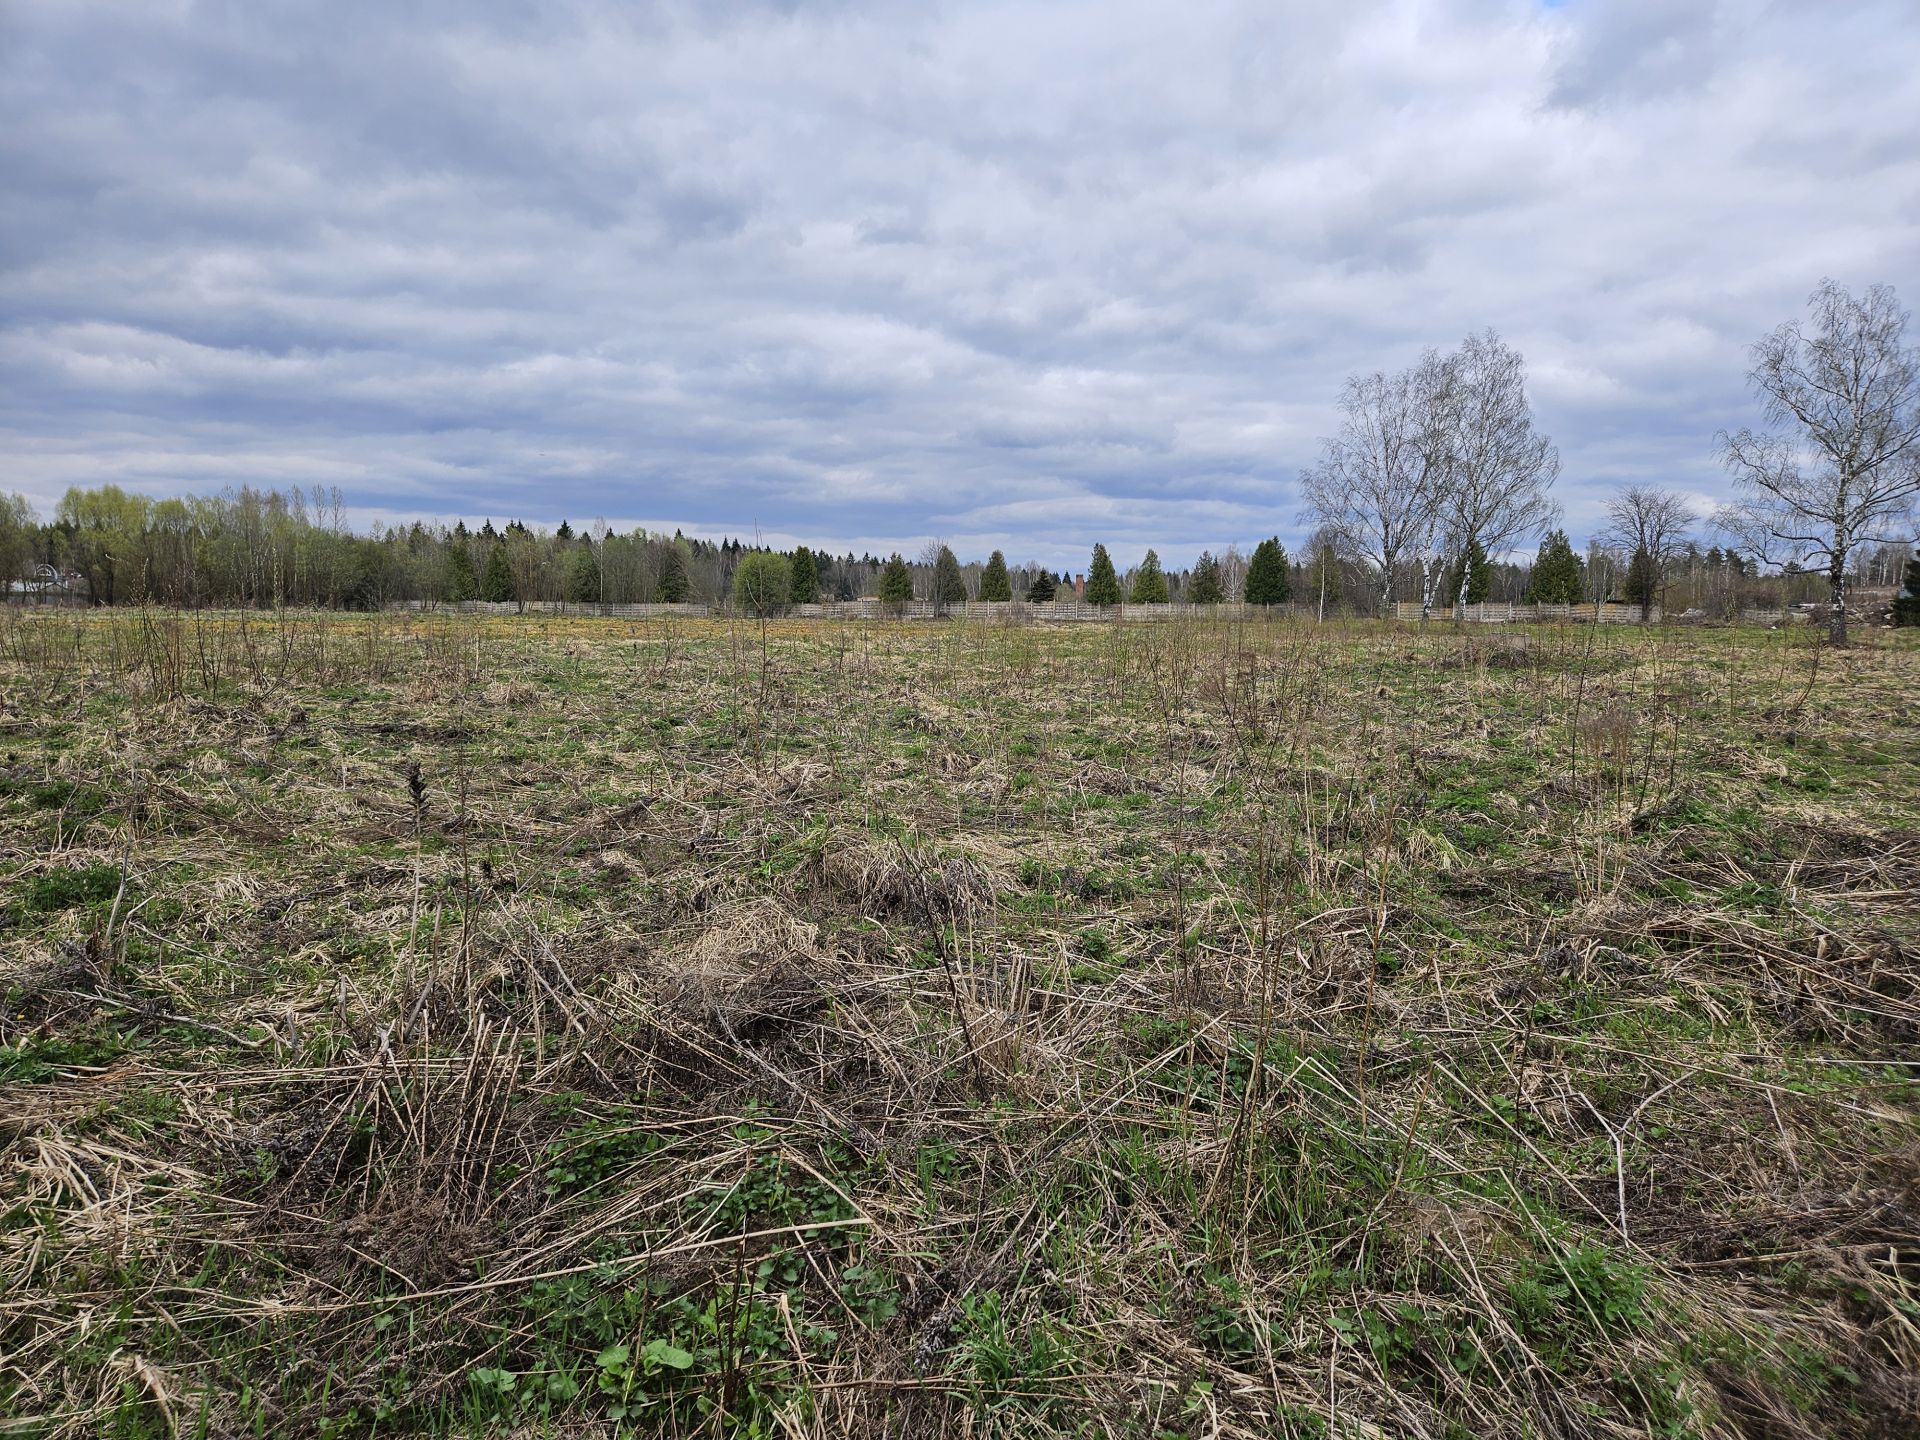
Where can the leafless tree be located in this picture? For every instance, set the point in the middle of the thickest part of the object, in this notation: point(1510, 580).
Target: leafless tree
point(1433, 460)
point(1659, 522)
point(1377, 484)
point(1846, 394)
point(1497, 469)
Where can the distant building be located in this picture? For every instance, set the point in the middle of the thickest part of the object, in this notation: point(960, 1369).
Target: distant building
point(49, 586)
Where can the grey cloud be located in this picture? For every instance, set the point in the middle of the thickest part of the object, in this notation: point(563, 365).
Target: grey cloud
point(1031, 274)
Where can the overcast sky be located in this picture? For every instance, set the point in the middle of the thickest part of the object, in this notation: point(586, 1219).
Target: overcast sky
point(1025, 275)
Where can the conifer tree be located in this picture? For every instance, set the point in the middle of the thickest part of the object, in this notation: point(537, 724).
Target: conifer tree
point(673, 577)
point(496, 581)
point(1041, 591)
point(1103, 586)
point(896, 581)
point(949, 585)
point(583, 575)
point(1556, 572)
point(806, 577)
point(994, 582)
point(1149, 583)
point(1906, 609)
point(461, 584)
point(1268, 582)
point(1643, 581)
point(1205, 588)
point(1472, 580)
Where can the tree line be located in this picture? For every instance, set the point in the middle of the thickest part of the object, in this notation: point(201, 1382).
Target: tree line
point(1433, 484)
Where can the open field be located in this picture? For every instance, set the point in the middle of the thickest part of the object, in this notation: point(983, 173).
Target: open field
point(461, 1025)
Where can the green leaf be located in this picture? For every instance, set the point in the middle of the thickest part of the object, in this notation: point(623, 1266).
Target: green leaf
point(659, 1352)
point(613, 1357)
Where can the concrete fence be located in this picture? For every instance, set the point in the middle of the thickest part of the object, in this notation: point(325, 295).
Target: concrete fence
point(1005, 611)
point(1504, 614)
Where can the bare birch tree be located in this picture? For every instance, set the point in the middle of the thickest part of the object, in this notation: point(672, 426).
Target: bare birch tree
point(1496, 469)
point(1432, 461)
point(1376, 483)
point(1843, 464)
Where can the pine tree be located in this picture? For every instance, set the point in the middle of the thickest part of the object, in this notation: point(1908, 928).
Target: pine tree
point(1043, 588)
point(806, 577)
point(1149, 583)
point(1204, 588)
point(995, 586)
point(1103, 586)
point(1556, 572)
point(896, 581)
point(1268, 582)
point(564, 533)
point(496, 581)
point(583, 575)
point(1906, 608)
point(1474, 574)
point(1643, 581)
point(460, 582)
point(949, 585)
point(673, 577)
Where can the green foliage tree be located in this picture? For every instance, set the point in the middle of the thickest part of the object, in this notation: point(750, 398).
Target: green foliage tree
point(1268, 580)
point(806, 577)
point(496, 581)
point(1906, 608)
point(1042, 588)
point(1149, 583)
point(18, 530)
point(1643, 581)
point(949, 585)
point(1204, 587)
point(1103, 585)
point(995, 585)
point(763, 583)
point(896, 582)
point(673, 577)
point(583, 575)
point(460, 582)
point(1556, 572)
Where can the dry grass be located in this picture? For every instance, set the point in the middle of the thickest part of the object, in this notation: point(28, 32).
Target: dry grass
point(450, 1026)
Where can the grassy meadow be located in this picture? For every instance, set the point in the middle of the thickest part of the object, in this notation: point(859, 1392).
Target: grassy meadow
point(446, 1025)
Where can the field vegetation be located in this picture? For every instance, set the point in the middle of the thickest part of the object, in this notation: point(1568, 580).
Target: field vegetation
point(455, 1025)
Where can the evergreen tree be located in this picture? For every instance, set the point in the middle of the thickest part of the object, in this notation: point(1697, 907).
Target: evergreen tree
point(673, 577)
point(583, 575)
point(1043, 588)
point(1906, 609)
point(1268, 582)
point(564, 533)
point(1205, 587)
point(1103, 586)
point(896, 581)
point(994, 583)
point(949, 585)
point(1149, 583)
point(763, 583)
point(1474, 575)
point(806, 577)
point(461, 584)
point(496, 581)
point(1643, 581)
point(1556, 572)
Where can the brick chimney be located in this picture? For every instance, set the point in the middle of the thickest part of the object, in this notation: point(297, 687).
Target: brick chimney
point(1079, 587)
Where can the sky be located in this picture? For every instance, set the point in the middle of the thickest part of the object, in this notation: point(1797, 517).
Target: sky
point(1020, 275)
